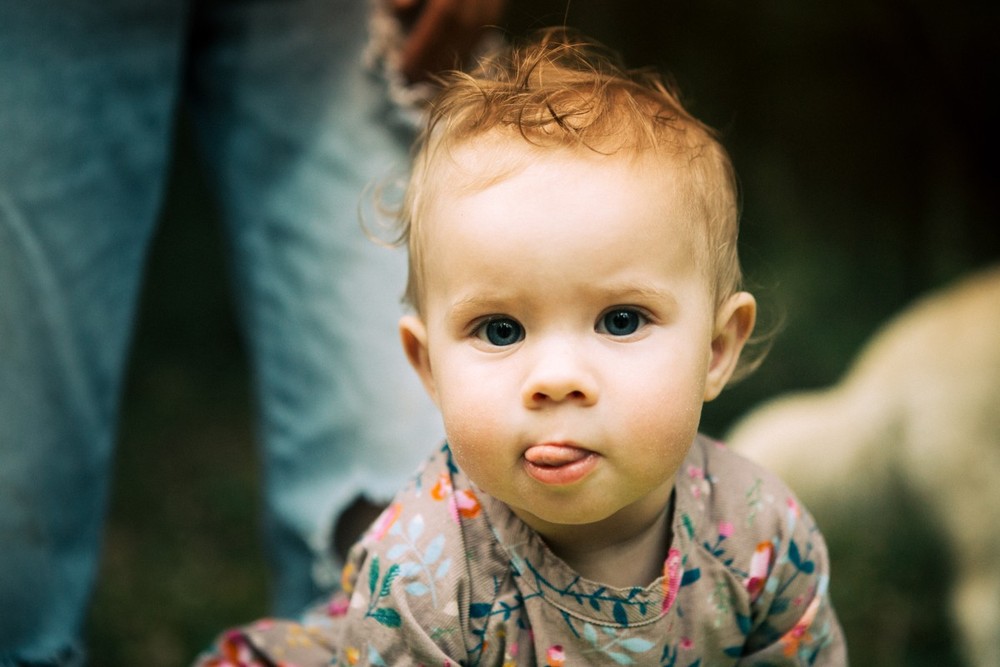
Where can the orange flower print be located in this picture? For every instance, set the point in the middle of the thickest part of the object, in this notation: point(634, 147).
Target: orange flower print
point(794, 638)
point(347, 577)
point(555, 656)
point(442, 488)
point(760, 567)
point(462, 503)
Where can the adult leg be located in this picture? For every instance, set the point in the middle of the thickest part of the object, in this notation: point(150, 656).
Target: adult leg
point(295, 129)
point(86, 93)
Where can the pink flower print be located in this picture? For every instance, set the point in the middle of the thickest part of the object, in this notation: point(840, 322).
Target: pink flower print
point(725, 529)
point(467, 504)
point(385, 520)
point(699, 483)
point(793, 507)
point(760, 567)
point(555, 656)
point(462, 503)
point(687, 643)
point(234, 650)
point(338, 605)
point(672, 572)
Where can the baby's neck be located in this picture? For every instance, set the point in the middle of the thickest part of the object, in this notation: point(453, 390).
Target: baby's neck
point(615, 558)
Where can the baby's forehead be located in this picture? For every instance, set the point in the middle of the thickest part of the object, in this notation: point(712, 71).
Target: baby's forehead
point(475, 163)
point(465, 171)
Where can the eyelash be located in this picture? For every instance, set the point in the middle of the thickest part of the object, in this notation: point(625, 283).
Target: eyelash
point(489, 325)
point(503, 331)
point(638, 319)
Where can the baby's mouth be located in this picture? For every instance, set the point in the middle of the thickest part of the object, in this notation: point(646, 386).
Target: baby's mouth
point(553, 455)
point(559, 464)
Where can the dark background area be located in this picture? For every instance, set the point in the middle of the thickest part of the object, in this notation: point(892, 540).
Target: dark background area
point(863, 134)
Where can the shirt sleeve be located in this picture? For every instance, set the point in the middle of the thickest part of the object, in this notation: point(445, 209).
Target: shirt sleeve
point(401, 599)
point(381, 616)
point(794, 621)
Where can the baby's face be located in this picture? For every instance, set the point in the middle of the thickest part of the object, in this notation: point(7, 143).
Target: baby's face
point(567, 332)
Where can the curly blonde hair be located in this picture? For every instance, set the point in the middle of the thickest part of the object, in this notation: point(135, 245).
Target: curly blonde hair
point(560, 89)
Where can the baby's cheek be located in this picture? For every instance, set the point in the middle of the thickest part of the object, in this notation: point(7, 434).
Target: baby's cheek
point(478, 444)
point(468, 426)
point(665, 428)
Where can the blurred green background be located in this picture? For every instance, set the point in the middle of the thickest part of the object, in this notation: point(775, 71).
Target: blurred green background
point(864, 136)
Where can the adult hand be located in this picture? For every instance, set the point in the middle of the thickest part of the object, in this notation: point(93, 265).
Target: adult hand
point(440, 34)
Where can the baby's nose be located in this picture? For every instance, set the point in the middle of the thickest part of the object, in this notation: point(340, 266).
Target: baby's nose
point(560, 373)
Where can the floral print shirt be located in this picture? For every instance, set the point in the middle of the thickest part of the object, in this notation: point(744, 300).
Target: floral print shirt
point(450, 576)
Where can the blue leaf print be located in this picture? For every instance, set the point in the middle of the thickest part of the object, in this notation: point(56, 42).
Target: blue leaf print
point(793, 554)
point(609, 649)
point(636, 644)
point(434, 550)
point(409, 569)
point(375, 658)
point(595, 605)
point(388, 617)
point(479, 610)
point(619, 611)
point(620, 658)
point(690, 576)
point(780, 606)
point(390, 575)
point(415, 528)
point(744, 623)
point(806, 567)
point(417, 589)
point(373, 576)
point(396, 551)
point(384, 615)
point(443, 568)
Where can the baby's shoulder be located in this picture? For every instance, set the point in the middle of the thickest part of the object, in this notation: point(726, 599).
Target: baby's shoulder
point(730, 492)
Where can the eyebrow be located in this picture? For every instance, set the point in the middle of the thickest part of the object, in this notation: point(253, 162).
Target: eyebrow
point(478, 303)
point(623, 293)
point(634, 290)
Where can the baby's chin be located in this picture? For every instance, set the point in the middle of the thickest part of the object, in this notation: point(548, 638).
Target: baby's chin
point(571, 517)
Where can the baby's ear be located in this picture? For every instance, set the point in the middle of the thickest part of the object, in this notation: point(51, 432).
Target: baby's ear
point(734, 322)
point(413, 333)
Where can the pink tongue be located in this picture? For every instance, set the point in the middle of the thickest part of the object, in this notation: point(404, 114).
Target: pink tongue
point(553, 455)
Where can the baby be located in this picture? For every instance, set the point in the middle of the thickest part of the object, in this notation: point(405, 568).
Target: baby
point(576, 298)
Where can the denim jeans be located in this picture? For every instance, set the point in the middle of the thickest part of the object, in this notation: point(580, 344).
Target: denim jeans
point(291, 128)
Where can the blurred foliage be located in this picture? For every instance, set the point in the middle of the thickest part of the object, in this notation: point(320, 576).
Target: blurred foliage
point(862, 134)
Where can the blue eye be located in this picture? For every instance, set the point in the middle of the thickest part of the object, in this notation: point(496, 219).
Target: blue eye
point(502, 331)
point(620, 322)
